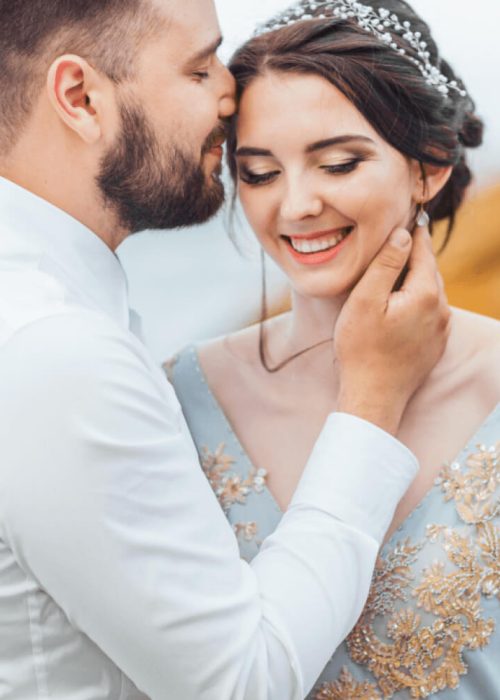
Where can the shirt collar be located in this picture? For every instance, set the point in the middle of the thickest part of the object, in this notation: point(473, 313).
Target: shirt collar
point(48, 239)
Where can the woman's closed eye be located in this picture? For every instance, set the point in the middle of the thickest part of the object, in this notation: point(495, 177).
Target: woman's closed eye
point(251, 178)
point(344, 168)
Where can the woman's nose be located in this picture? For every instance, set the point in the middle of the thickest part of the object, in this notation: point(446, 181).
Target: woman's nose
point(300, 203)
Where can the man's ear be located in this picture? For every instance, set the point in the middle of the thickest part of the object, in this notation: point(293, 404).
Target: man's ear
point(430, 180)
point(73, 91)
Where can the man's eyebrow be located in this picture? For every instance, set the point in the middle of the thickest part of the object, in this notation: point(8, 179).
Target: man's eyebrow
point(206, 52)
point(337, 141)
point(311, 148)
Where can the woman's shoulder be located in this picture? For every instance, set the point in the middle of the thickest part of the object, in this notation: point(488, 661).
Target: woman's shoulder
point(477, 334)
point(475, 342)
point(236, 356)
point(210, 363)
point(216, 353)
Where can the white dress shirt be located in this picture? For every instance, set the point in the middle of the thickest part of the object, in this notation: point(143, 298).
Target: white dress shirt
point(120, 577)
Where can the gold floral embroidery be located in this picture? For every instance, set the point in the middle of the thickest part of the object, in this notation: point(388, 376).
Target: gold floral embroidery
point(229, 487)
point(346, 688)
point(169, 365)
point(474, 490)
point(489, 542)
point(418, 658)
point(246, 531)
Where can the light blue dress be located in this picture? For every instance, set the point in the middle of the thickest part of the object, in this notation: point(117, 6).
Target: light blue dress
point(431, 623)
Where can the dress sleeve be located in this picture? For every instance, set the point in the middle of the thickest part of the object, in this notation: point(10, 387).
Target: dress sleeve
point(104, 504)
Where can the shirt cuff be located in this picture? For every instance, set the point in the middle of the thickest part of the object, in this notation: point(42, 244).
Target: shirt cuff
point(358, 473)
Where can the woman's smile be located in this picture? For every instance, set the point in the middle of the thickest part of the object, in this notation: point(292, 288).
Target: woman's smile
point(317, 248)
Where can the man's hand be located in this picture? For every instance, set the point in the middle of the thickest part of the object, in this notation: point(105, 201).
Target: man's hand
point(388, 341)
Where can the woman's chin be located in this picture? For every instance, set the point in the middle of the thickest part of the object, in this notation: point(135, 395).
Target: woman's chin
point(323, 291)
point(328, 279)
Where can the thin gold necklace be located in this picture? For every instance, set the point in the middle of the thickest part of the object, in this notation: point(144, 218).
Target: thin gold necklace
point(262, 340)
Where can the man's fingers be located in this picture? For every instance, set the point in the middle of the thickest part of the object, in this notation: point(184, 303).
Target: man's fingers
point(384, 271)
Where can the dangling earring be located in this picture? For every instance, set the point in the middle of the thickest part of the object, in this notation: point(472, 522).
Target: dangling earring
point(423, 218)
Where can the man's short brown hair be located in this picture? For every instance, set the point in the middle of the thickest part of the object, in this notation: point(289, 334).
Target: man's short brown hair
point(107, 33)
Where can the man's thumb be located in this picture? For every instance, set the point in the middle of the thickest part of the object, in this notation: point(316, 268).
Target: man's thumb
point(398, 240)
point(387, 266)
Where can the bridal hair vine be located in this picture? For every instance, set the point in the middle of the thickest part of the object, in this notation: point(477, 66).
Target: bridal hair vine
point(379, 22)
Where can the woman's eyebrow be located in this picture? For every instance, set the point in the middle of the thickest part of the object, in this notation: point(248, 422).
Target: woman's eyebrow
point(337, 141)
point(249, 151)
point(311, 148)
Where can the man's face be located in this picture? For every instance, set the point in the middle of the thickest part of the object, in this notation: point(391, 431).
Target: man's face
point(163, 169)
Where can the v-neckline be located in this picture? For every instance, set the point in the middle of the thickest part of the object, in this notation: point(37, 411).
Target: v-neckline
point(392, 541)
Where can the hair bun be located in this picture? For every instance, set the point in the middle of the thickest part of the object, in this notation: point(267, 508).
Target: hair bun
point(471, 133)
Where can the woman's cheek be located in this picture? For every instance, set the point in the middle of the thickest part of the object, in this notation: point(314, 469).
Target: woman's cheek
point(257, 213)
point(387, 208)
point(248, 207)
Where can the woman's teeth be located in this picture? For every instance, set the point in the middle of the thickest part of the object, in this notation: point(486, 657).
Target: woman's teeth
point(317, 245)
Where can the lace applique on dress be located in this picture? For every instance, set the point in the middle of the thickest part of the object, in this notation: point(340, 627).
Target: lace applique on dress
point(347, 688)
point(425, 658)
point(247, 532)
point(230, 487)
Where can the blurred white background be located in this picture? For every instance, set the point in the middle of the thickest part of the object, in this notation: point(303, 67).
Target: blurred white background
point(192, 284)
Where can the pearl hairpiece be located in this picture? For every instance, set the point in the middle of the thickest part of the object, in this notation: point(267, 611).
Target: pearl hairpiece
point(379, 22)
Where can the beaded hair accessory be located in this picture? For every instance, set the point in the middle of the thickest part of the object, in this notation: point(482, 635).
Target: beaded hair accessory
point(379, 22)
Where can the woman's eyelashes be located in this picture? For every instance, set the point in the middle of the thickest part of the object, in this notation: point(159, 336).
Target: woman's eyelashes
point(343, 168)
point(251, 178)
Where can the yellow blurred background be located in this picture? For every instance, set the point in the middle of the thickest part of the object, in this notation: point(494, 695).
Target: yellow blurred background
point(470, 264)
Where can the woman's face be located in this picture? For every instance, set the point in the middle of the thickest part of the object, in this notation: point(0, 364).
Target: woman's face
point(320, 188)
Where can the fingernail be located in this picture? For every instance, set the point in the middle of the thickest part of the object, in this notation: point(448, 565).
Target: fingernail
point(400, 238)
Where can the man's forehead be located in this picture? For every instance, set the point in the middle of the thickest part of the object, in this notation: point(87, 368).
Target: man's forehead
point(192, 25)
point(186, 14)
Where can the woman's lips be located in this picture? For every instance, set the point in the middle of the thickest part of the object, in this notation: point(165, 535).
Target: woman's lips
point(306, 253)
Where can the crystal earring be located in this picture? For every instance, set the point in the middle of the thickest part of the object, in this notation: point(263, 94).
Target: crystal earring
point(423, 218)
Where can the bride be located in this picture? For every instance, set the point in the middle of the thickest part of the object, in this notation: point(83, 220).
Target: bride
point(349, 125)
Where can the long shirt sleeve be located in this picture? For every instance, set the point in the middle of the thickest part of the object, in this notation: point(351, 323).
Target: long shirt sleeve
point(127, 559)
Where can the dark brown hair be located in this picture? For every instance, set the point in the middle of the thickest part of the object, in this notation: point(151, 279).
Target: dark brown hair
point(385, 86)
point(34, 32)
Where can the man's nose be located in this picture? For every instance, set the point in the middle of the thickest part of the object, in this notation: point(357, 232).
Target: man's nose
point(227, 106)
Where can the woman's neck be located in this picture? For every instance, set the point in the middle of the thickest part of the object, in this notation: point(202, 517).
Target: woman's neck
point(299, 346)
point(313, 320)
point(310, 322)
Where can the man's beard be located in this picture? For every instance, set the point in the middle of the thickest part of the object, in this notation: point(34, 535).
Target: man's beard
point(151, 189)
